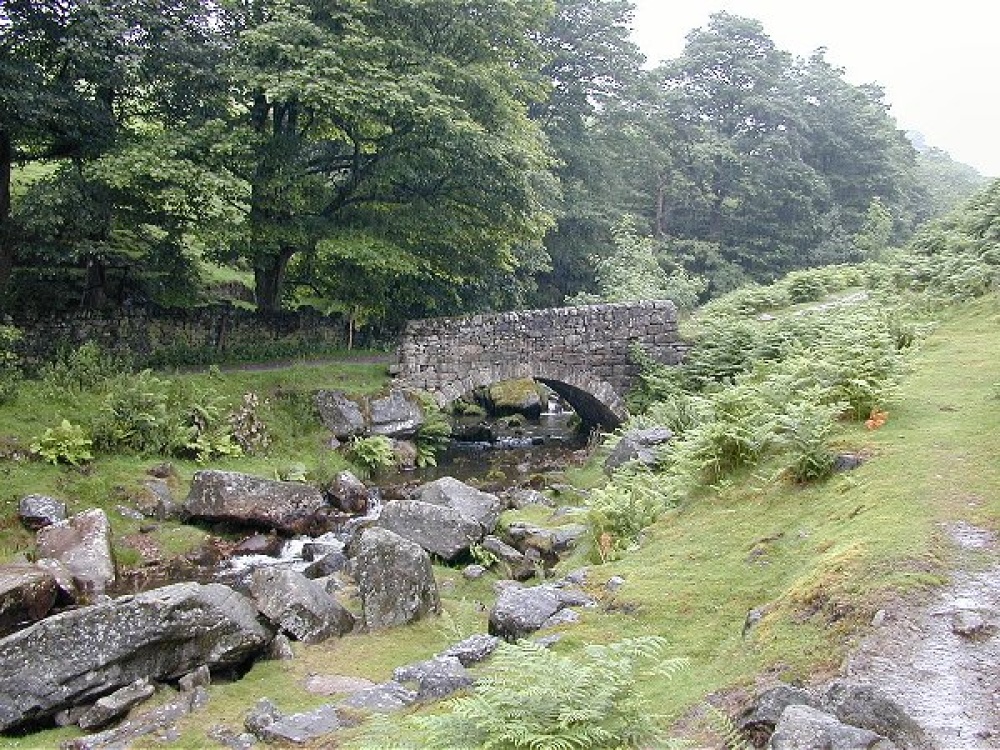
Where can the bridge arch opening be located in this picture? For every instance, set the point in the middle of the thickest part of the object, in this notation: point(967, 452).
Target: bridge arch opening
point(594, 401)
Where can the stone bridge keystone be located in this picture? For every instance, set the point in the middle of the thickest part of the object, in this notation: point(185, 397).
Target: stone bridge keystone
point(582, 353)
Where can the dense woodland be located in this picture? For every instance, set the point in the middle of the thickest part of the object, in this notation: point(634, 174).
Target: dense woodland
point(397, 158)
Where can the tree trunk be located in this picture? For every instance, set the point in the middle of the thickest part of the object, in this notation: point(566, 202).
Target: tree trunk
point(95, 293)
point(269, 278)
point(6, 238)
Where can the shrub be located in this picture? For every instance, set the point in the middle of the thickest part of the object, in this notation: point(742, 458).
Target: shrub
point(247, 428)
point(85, 368)
point(67, 444)
point(372, 454)
point(533, 697)
point(618, 512)
point(804, 433)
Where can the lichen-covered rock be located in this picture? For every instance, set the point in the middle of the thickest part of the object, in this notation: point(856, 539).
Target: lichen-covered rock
point(470, 503)
point(640, 446)
point(299, 606)
point(804, 728)
point(438, 529)
point(348, 493)
point(118, 703)
point(38, 511)
point(291, 507)
point(520, 611)
point(27, 593)
point(395, 580)
point(397, 415)
point(863, 705)
point(340, 415)
point(80, 655)
point(83, 544)
point(434, 678)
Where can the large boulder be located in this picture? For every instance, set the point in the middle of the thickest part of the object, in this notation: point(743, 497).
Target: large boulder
point(38, 511)
point(518, 611)
point(75, 657)
point(470, 503)
point(83, 544)
point(396, 415)
point(438, 529)
point(340, 415)
point(290, 507)
point(864, 705)
point(804, 728)
point(395, 580)
point(299, 606)
point(640, 446)
point(27, 593)
point(521, 396)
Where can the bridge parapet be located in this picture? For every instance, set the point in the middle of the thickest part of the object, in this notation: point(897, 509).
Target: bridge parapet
point(582, 352)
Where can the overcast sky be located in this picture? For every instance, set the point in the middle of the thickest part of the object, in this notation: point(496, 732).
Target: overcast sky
point(938, 62)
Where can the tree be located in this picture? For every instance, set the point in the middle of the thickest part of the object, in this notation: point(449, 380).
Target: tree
point(405, 119)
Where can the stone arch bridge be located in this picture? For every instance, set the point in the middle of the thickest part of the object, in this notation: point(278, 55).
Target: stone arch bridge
point(583, 353)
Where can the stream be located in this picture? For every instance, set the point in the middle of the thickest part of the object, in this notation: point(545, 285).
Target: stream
point(505, 453)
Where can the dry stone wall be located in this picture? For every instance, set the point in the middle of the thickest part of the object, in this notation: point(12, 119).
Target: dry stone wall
point(582, 352)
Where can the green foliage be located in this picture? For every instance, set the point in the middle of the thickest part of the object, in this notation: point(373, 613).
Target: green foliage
point(85, 368)
point(372, 454)
point(618, 512)
point(533, 697)
point(803, 431)
point(67, 444)
point(146, 415)
point(10, 363)
point(434, 435)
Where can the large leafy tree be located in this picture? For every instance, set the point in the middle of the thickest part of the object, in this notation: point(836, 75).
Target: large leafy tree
point(406, 121)
point(90, 87)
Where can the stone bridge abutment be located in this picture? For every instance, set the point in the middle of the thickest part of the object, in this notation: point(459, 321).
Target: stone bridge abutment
point(584, 353)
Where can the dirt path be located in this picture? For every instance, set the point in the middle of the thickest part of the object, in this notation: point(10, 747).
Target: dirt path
point(940, 660)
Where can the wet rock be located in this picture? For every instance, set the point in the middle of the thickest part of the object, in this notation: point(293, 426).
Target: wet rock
point(473, 572)
point(641, 446)
point(83, 544)
point(472, 504)
point(347, 493)
point(383, 698)
point(847, 462)
point(331, 563)
point(474, 649)
point(160, 720)
point(80, 655)
point(332, 684)
point(523, 498)
point(434, 678)
point(280, 649)
point(550, 544)
point(27, 593)
point(316, 550)
point(438, 529)
point(395, 580)
point(200, 677)
point(260, 544)
point(269, 724)
point(298, 606)
point(290, 507)
point(863, 705)
point(521, 568)
point(405, 453)
point(804, 728)
point(519, 612)
point(117, 704)
point(340, 415)
point(397, 415)
point(971, 625)
point(39, 511)
point(760, 719)
point(514, 397)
